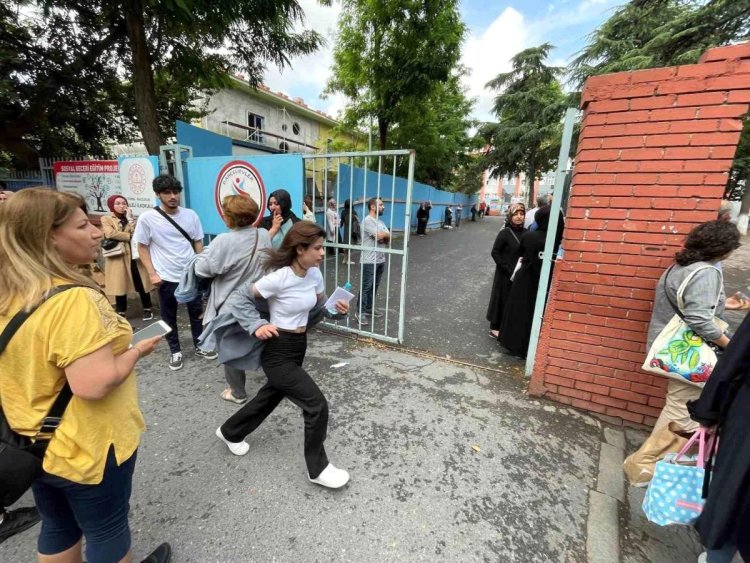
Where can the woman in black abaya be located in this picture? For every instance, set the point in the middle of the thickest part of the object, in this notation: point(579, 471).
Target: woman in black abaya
point(505, 253)
point(515, 328)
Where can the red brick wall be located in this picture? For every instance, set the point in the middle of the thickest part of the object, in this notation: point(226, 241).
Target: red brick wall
point(653, 156)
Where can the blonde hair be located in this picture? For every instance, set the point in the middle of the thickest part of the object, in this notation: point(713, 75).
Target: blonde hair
point(239, 210)
point(29, 262)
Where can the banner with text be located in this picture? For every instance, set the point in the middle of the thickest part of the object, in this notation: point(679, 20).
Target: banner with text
point(94, 180)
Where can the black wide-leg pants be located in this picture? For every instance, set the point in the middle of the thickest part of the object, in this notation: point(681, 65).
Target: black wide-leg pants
point(282, 363)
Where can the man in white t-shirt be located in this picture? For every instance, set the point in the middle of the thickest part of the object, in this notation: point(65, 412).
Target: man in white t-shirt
point(166, 252)
point(374, 234)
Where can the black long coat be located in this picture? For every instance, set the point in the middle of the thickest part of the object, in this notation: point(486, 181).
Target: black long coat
point(725, 401)
point(505, 253)
point(518, 316)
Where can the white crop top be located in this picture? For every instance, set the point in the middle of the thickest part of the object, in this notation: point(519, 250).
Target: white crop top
point(290, 297)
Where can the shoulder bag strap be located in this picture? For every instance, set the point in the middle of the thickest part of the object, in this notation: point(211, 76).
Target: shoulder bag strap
point(52, 420)
point(677, 307)
point(176, 226)
point(514, 234)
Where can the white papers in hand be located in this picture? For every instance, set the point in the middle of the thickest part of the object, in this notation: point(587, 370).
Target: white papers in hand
point(339, 295)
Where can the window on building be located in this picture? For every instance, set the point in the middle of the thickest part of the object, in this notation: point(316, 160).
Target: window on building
point(284, 147)
point(283, 126)
point(295, 128)
point(256, 122)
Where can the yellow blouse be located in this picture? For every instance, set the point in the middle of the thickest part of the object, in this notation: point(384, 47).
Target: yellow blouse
point(65, 328)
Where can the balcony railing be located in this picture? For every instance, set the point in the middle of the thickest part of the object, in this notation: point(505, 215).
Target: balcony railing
point(264, 138)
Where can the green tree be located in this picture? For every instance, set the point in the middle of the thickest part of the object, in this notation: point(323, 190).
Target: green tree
point(76, 75)
point(59, 89)
point(529, 108)
point(437, 127)
point(388, 55)
point(657, 33)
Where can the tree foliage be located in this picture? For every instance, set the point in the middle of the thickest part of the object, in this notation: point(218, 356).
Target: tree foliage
point(389, 55)
point(78, 75)
point(59, 90)
point(657, 33)
point(437, 127)
point(529, 107)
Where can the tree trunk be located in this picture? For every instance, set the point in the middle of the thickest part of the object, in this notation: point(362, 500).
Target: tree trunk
point(143, 77)
point(383, 132)
point(531, 178)
point(742, 220)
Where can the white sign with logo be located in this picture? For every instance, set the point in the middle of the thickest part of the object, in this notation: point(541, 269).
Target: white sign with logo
point(136, 177)
point(240, 178)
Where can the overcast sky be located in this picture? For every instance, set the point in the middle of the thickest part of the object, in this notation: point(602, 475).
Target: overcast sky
point(496, 32)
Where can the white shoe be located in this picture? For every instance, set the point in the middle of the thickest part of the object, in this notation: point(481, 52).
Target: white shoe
point(703, 557)
point(237, 448)
point(331, 477)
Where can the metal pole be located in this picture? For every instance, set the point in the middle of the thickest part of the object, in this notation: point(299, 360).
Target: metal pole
point(407, 231)
point(541, 295)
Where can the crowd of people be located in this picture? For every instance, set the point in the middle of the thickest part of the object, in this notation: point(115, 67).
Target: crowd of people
point(266, 292)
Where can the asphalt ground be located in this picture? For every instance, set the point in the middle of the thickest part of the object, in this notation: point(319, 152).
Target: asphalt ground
point(448, 463)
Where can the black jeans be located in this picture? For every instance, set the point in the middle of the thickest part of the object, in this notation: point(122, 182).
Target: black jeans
point(282, 363)
point(168, 308)
point(121, 301)
point(421, 226)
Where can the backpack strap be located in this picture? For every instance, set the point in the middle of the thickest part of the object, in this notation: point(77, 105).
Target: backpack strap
point(53, 419)
point(176, 226)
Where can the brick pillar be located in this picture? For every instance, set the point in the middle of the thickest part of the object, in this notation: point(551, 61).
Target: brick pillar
point(653, 158)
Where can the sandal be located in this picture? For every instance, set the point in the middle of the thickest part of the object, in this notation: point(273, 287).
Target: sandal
point(493, 335)
point(228, 396)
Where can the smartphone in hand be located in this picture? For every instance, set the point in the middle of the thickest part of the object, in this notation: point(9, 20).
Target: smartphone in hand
point(159, 328)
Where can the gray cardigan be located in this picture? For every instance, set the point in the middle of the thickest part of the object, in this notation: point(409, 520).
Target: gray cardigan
point(227, 261)
point(232, 332)
point(700, 296)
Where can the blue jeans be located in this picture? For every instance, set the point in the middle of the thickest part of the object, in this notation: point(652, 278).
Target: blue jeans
point(99, 512)
point(371, 274)
point(168, 311)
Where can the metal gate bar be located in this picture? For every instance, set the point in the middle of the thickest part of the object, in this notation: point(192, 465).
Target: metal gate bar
point(350, 324)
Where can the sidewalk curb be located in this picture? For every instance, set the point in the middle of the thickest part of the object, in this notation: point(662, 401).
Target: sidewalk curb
point(603, 523)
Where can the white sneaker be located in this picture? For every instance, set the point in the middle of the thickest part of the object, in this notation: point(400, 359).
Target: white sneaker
point(237, 448)
point(331, 477)
point(175, 361)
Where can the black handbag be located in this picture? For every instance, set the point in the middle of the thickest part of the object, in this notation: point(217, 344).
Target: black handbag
point(108, 243)
point(20, 457)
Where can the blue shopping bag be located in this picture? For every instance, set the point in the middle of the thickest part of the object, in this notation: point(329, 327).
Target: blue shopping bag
point(674, 495)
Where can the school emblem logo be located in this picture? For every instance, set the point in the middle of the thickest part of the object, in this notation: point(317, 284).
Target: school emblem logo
point(240, 178)
point(137, 179)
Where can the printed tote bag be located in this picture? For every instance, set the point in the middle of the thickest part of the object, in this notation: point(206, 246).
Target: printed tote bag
point(678, 352)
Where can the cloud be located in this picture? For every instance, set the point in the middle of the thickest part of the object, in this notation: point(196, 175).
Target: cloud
point(307, 76)
point(488, 53)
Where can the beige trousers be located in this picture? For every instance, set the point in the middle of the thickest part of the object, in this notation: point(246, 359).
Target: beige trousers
point(675, 409)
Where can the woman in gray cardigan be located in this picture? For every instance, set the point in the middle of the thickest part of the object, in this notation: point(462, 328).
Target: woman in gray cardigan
point(706, 245)
point(232, 259)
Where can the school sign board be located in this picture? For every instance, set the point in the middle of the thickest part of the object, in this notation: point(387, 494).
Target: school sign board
point(210, 179)
point(97, 180)
point(93, 180)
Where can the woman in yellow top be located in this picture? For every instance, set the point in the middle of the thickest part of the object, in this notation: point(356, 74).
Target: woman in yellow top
point(123, 274)
point(45, 240)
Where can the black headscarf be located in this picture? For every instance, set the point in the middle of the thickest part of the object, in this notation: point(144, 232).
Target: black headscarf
point(284, 200)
